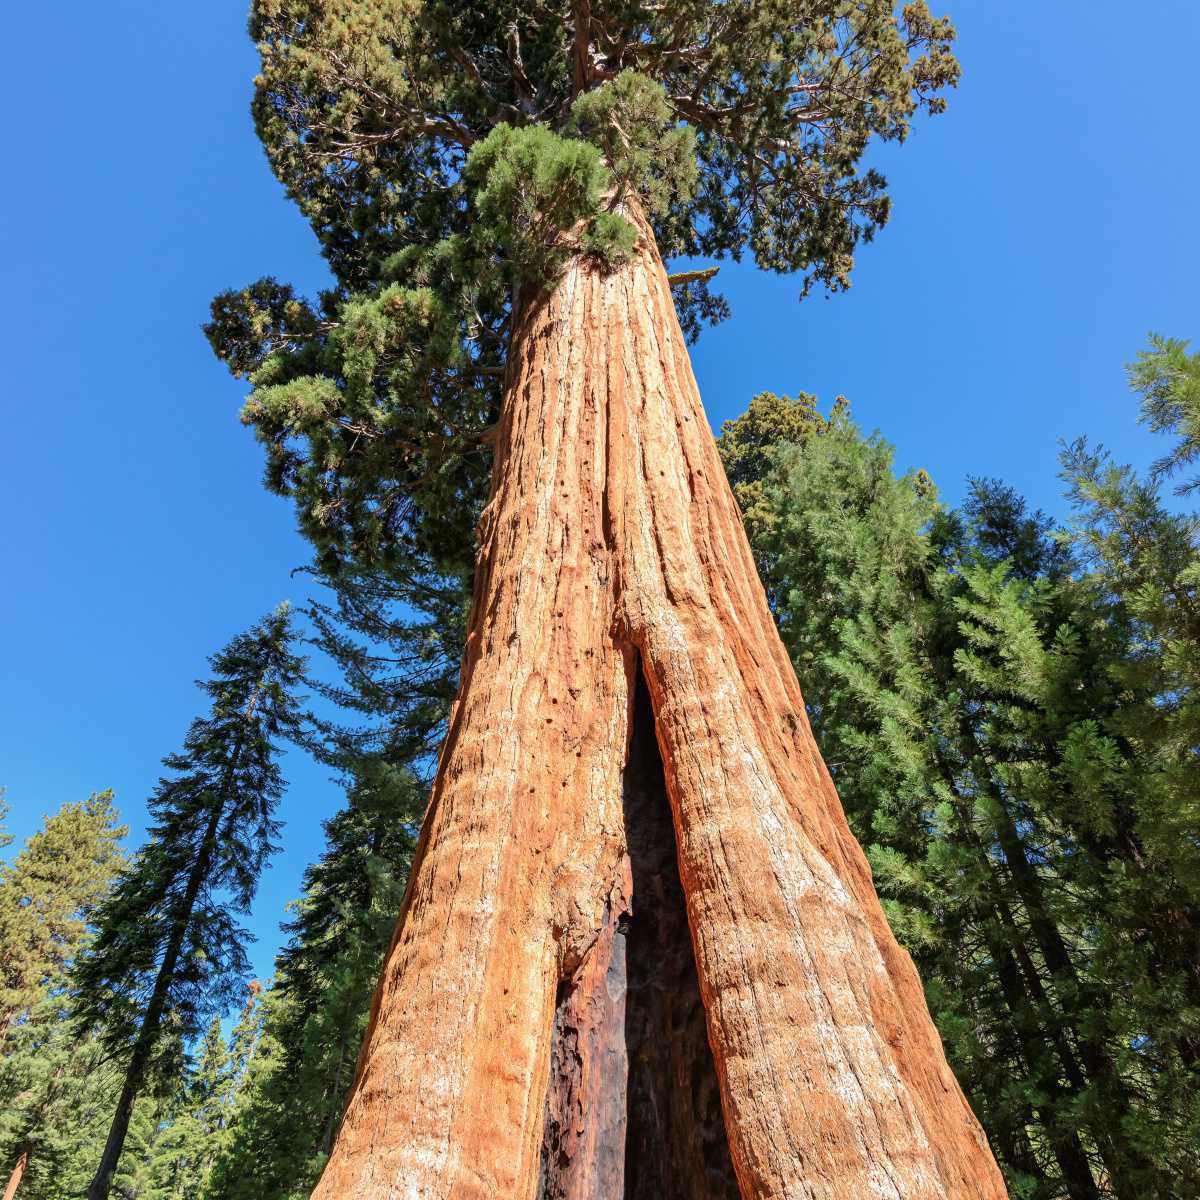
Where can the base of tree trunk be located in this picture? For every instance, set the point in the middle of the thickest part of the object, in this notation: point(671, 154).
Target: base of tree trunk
point(582, 998)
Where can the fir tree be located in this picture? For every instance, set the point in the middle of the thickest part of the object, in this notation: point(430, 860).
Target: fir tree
point(1132, 776)
point(180, 1157)
point(973, 691)
point(52, 1084)
point(169, 950)
point(243, 1045)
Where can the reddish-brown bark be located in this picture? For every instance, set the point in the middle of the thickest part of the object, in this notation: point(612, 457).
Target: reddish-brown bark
point(520, 1036)
point(17, 1173)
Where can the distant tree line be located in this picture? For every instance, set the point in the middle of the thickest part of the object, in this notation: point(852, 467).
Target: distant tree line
point(1008, 703)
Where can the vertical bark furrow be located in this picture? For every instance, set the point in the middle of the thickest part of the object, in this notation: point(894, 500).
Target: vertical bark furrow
point(633, 1107)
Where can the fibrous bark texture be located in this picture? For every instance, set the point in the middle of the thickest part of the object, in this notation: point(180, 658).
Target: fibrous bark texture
point(537, 1026)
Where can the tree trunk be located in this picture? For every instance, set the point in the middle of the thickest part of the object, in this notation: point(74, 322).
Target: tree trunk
point(17, 1174)
point(533, 1023)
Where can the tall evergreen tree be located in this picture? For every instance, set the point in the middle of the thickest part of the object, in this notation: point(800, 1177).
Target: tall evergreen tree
point(243, 1044)
point(169, 949)
point(180, 1157)
point(972, 689)
point(495, 190)
point(52, 1084)
point(287, 1114)
point(1133, 776)
point(47, 898)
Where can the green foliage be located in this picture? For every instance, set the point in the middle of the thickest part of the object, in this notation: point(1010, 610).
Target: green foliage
point(451, 158)
point(610, 239)
point(747, 443)
point(250, 325)
point(1168, 380)
point(48, 896)
point(531, 187)
point(1008, 711)
point(651, 156)
point(55, 1090)
point(287, 1113)
point(169, 952)
point(56, 1095)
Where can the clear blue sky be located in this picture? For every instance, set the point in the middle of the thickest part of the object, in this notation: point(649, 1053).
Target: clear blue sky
point(1041, 227)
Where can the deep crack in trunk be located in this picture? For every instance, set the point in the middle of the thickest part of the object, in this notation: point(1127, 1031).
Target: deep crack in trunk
point(633, 1107)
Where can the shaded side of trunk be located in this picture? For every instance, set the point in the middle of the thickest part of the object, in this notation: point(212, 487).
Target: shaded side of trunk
point(633, 1105)
point(676, 1144)
point(612, 540)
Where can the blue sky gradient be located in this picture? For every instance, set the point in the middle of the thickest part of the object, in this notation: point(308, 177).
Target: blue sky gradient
point(1041, 228)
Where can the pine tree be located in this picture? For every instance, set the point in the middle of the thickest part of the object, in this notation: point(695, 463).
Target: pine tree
point(495, 190)
point(288, 1111)
point(169, 950)
point(51, 1083)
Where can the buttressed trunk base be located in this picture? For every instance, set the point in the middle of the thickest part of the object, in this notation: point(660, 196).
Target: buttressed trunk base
point(641, 953)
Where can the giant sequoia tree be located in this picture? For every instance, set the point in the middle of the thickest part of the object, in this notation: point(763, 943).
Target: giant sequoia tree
point(641, 953)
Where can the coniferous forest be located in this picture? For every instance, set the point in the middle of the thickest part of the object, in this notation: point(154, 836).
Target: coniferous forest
point(1005, 700)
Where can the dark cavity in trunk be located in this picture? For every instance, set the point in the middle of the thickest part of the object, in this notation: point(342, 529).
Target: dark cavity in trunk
point(633, 1110)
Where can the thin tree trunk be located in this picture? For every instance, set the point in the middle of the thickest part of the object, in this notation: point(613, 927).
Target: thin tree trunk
point(1022, 988)
point(17, 1174)
point(139, 1060)
point(333, 1095)
point(1077, 1176)
point(612, 548)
